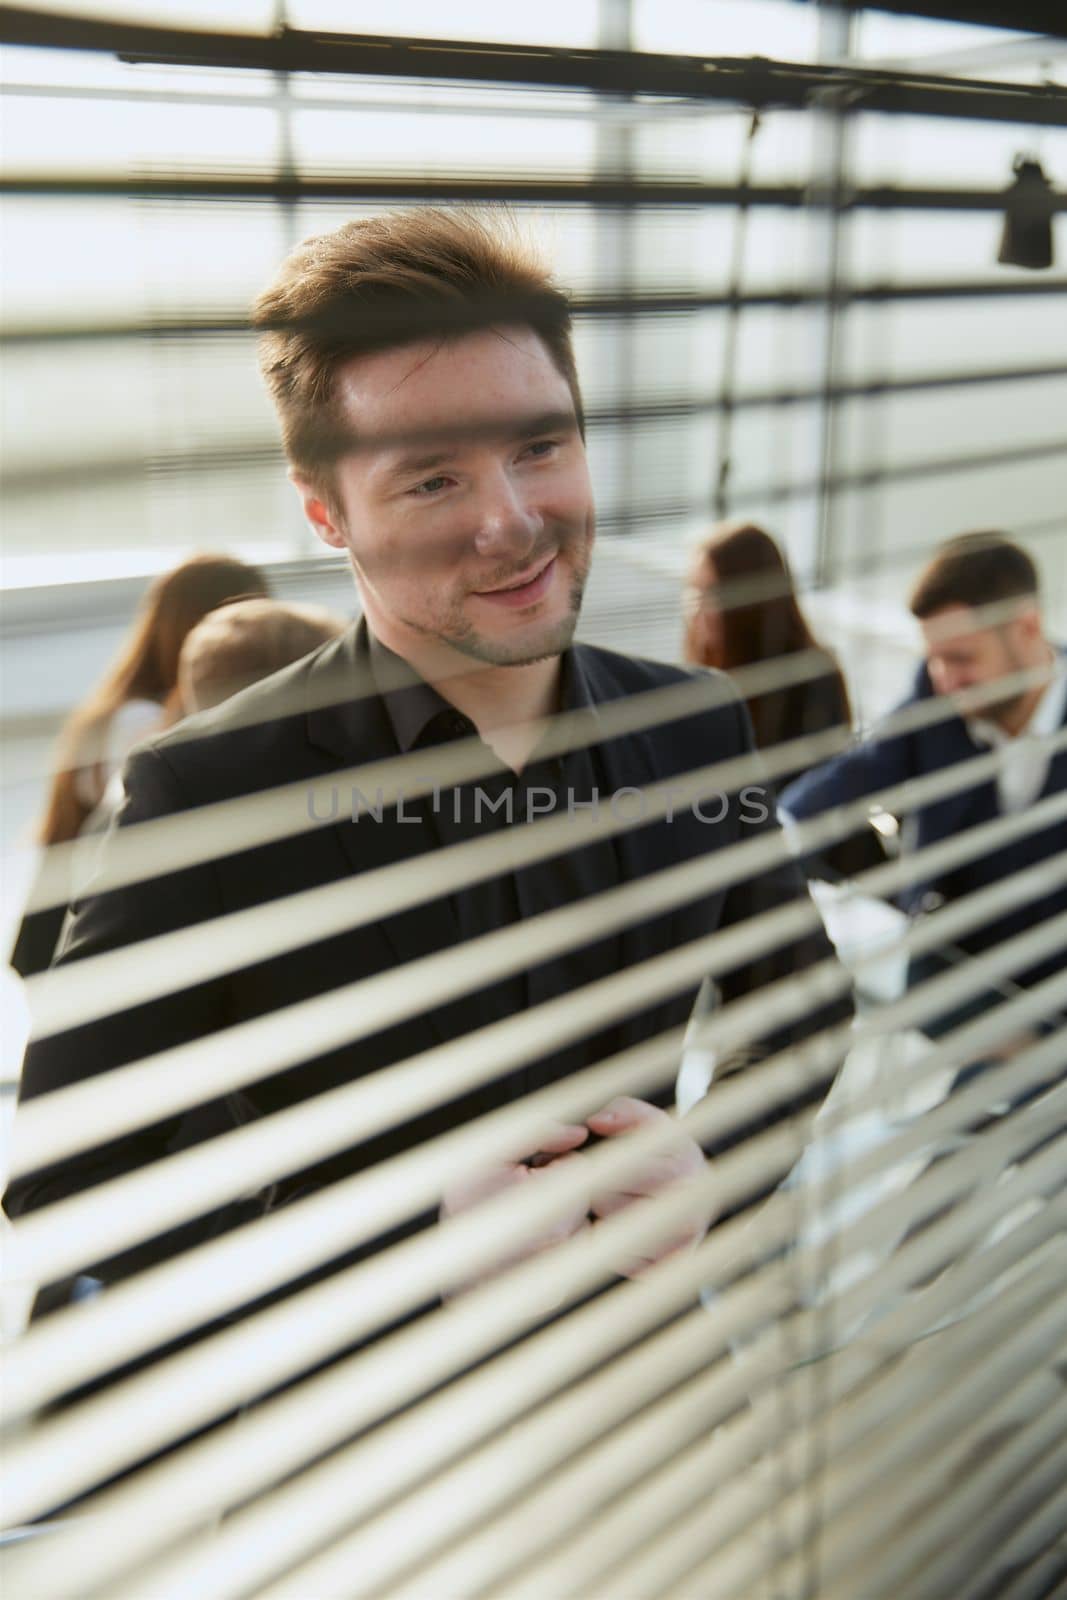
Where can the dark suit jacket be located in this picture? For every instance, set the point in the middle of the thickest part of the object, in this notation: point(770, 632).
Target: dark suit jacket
point(216, 756)
point(882, 761)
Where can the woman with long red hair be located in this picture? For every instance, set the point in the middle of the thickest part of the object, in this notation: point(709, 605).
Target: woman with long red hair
point(742, 609)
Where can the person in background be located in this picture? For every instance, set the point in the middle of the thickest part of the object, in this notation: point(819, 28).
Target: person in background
point(134, 698)
point(969, 648)
point(241, 642)
point(235, 645)
point(741, 609)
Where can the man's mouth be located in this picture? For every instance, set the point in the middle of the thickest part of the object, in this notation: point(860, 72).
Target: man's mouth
point(524, 591)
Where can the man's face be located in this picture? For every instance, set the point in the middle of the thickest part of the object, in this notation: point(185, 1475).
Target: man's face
point(467, 511)
point(962, 655)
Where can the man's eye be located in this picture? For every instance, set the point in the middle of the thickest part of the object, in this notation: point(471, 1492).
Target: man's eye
point(430, 486)
point(541, 448)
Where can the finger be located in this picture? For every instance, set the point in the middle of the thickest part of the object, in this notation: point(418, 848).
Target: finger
point(622, 1114)
point(479, 1187)
point(577, 1214)
point(545, 1137)
point(678, 1157)
point(652, 1175)
point(608, 1202)
point(565, 1228)
point(607, 1205)
point(560, 1137)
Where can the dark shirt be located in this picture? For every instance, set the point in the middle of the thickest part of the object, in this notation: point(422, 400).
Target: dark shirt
point(548, 785)
point(809, 708)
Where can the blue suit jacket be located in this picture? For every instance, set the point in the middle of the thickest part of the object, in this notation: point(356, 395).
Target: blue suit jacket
point(881, 761)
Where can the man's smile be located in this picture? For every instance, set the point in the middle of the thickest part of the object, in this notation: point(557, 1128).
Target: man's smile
point(526, 591)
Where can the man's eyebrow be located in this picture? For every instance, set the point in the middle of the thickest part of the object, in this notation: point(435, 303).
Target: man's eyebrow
point(403, 466)
point(546, 422)
point(428, 451)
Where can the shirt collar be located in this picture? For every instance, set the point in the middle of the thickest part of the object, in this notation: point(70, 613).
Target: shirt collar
point(1051, 710)
point(1046, 718)
point(411, 703)
point(575, 693)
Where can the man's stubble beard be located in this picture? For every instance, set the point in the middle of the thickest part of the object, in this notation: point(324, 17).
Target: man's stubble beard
point(497, 653)
point(1003, 708)
point(463, 637)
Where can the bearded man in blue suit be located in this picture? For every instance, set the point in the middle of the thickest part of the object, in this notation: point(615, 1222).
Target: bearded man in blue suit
point(978, 605)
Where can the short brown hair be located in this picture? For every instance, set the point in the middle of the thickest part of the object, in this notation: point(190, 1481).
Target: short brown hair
point(974, 569)
point(388, 281)
point(240, 643)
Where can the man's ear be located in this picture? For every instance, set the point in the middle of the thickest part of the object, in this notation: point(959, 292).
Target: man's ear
point(1033, 623)
point(1028, 625)
point(318, 513)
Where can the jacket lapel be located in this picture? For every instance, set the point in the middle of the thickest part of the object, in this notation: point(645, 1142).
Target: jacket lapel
point(1056, 777)
point(354, 728)
point(949, 744)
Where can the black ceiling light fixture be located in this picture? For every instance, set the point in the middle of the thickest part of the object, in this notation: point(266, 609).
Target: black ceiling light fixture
point(1030, 204)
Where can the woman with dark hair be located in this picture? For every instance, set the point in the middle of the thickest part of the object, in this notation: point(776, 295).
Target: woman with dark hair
point(136, 695)
point(742, 609)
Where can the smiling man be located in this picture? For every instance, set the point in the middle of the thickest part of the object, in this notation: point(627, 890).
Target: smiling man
point(470, 549)
point(422, 368)
point(482, 543)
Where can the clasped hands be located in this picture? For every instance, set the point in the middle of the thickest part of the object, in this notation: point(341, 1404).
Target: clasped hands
point(677, 1162)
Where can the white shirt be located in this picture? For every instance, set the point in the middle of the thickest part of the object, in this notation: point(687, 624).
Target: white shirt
point(131, 722)
point(1026, 756)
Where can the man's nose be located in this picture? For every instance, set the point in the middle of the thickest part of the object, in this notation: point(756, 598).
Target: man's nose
point(508, 525)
